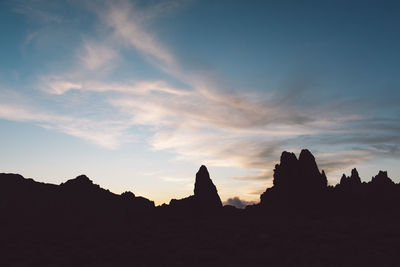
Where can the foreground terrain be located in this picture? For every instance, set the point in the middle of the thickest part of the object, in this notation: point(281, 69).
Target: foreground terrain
point(300, 221)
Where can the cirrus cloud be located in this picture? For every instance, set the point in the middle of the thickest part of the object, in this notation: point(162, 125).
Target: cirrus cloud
point(196, 118)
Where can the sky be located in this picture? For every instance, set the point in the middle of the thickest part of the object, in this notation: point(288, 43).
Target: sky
point(139, 94)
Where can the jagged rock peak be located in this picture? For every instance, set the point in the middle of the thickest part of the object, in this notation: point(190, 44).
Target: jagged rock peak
point(205, 190)
point(352, 180)
point(305, 154)
point(203, 183)
point(287, 158)
point(343, 180)
point(307, 160)
point(81, 180)
point(285, 170)
point(293, 174)
point(128, 195)
point(381, 179)
point(324, 178)
point(355, 178)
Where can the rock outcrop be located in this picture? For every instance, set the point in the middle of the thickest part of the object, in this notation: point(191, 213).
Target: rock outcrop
point(297, 182)
point(350, 181)
point(205, 195)
point(381, 179)
point(76, 199)
point(294, 174)
point(298, 186)
point(205, 192)
point(298, 174)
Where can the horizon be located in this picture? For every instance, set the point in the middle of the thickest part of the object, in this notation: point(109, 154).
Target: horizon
point(138, 95)
point(233, 201)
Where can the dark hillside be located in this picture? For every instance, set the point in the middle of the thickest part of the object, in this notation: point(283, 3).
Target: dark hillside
point(300, 221)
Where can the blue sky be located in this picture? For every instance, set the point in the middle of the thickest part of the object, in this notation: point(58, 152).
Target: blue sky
point(138, 94)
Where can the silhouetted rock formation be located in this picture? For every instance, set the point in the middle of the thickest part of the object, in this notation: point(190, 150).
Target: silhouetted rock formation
point(205, 196)
point(381, 180)
point(83, 191)
point(300, 222)
point(297, 182)
point(75, 201)
point(298, 175)
point(309, 173)
point(299, 187)
point(350, 181)
point(205, 191)
point(285, 173)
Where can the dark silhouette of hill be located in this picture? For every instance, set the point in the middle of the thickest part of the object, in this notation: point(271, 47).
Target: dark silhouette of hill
point(300, 221)
point(75, 201)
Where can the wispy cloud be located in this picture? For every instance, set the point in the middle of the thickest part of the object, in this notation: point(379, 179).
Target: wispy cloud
point(105, 133)
point(127, 25)
point(206, 122)
point(97, 55)
point(59, 85)
point(35, 11)
point(200, 120)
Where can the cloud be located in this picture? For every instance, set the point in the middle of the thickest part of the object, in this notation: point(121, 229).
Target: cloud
point(356, 141)
point(127, 25)
point(97, 55)
point(177, 180)
point(202, 119)
point(206, 122)
point(59, 87)
point(238, 203)
point(264, 175)
point(35, 11)
point(331, 161)
point(105, 133)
